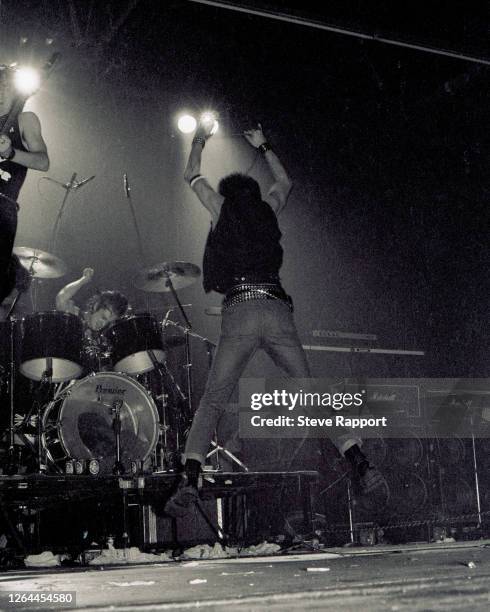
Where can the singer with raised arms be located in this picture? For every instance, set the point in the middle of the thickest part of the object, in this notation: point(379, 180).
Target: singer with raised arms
point(242, 259)
point(21, 147)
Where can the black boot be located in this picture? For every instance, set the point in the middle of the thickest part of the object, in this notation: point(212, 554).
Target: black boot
point(187, 493)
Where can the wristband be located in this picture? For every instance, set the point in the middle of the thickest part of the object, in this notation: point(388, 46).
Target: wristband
point(10, 156)
point(199, 140)
point(264, 147)
point(194, 179)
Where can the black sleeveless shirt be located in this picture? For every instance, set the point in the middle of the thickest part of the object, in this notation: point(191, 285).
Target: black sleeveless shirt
point(12, 175)
point(245, 241)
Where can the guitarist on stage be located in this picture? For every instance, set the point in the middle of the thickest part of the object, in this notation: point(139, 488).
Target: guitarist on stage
point(21, 147)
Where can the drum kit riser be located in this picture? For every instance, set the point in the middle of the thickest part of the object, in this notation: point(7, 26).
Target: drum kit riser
point(90, 421)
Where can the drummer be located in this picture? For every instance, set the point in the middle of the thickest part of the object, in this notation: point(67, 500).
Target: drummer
point(101, 309)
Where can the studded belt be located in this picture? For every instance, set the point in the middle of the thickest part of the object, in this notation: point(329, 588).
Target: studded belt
point(256, 291)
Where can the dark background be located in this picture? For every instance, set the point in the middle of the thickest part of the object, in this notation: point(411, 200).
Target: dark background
point(386, 231)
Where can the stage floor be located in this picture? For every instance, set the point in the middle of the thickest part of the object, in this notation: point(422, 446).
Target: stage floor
point(410, 577)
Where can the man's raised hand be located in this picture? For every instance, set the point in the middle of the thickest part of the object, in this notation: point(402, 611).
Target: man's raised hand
point(255, 136)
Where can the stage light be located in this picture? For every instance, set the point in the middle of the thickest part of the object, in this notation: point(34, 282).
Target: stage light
point(27, 80)
point(209, 117)
point(186, 124)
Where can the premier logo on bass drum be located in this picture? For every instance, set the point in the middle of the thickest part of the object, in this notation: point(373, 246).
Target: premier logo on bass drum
point(110, 390)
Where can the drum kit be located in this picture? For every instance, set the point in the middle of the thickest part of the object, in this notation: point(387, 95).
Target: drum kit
point(107, 407)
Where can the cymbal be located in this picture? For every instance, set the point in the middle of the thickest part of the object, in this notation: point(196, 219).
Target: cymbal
point(155, 279)
point(40, 263)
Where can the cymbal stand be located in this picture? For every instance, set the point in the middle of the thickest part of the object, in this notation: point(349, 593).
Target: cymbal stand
point(187, 330)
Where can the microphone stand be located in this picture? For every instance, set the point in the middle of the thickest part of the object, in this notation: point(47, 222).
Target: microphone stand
point(118, 468)
point(68, 187)
point(127, 190)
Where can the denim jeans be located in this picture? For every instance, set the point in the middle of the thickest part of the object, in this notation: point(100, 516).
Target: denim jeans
point(8, 228)
point(245, 328)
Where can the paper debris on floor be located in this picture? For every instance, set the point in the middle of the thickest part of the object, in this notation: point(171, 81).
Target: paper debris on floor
point(260, 550)
point(115, 556)
point(45, 559)
point(205, 551)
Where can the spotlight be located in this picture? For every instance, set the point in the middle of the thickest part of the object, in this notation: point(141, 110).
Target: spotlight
point(186, 124)
point(27, 81)
point(209, 117)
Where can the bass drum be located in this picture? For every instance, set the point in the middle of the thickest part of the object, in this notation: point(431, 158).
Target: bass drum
point(79, 424)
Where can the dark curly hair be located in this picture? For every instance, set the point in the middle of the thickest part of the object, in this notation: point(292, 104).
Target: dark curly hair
point(238, 185)
point(112, 300)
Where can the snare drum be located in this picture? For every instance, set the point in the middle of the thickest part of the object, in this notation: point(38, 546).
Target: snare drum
point(131, 338)
point(52, 339)
point(80, 425)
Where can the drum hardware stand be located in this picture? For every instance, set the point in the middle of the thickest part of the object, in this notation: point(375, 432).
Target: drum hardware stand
point(37, 451)
point(13, 463)
point(467, 404)
point(47, 378)
point(118, 469)
point(217, 449)
point(163, 370)
point(162, 457)
point(164, 373)
point(11, 466)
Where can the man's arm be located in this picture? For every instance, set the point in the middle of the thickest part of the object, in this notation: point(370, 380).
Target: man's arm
point(206, 194)
point(36, 156)
point(279, 192)
point(64, 297)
